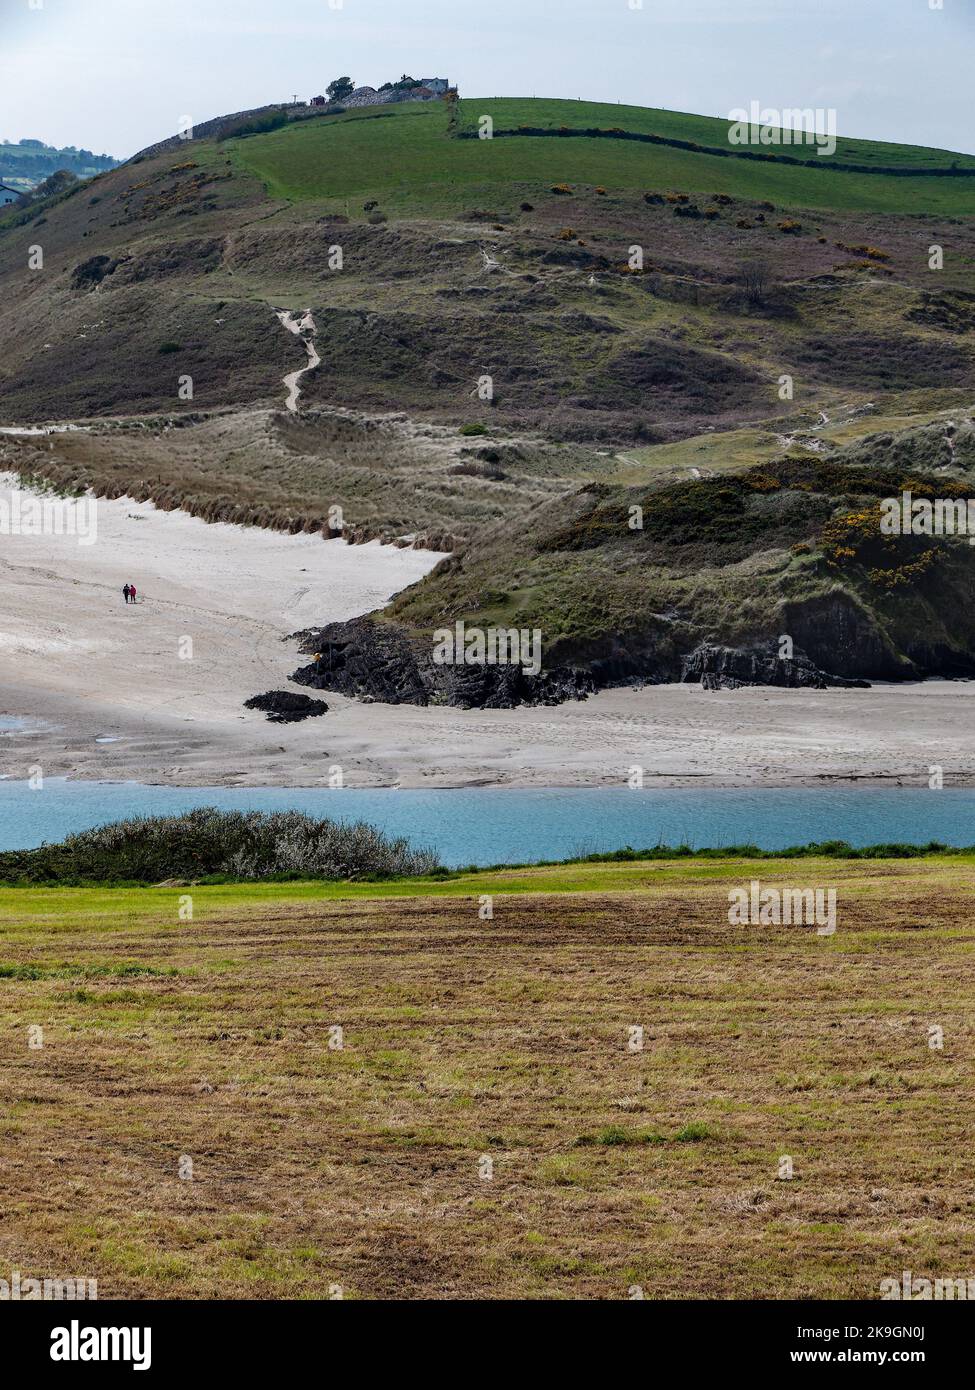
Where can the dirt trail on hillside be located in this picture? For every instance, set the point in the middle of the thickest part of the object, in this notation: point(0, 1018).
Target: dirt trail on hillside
point(303, 327)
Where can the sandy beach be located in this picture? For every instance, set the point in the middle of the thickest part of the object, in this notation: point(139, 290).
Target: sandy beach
point(154, 692)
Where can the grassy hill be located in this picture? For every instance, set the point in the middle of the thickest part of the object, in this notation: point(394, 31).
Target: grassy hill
point(706, 131)
point(613, 381)
point(24, 166)
point(404, 157)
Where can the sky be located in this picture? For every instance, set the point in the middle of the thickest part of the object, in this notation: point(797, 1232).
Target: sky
point(117, 75)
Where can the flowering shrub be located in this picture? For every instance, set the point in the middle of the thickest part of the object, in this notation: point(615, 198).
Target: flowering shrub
point(855, 539)
point(872, 253)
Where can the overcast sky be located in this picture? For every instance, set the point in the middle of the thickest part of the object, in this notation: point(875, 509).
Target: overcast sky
point(116, 75)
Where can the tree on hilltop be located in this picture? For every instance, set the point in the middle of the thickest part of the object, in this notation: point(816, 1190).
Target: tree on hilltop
point(341, 88)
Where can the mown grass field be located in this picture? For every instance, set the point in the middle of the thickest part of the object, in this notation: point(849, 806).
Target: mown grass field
point(403, 157)
point(468, 1039)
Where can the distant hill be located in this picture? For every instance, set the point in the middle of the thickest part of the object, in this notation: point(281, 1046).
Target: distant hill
point(24, 165)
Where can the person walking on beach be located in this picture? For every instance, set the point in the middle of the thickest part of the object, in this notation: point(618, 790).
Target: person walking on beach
point(126, 591)
point(132, 592)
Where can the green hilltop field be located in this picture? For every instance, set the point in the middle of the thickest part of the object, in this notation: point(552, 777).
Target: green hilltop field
point(403, 155)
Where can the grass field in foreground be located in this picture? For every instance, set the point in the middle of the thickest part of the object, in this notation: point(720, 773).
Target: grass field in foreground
point(507, 1039)
point(402, 157)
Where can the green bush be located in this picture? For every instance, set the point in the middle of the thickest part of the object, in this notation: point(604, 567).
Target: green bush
point(257, 125)
point(207, 842)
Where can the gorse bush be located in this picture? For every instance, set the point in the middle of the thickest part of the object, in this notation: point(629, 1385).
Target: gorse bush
point(207, 842)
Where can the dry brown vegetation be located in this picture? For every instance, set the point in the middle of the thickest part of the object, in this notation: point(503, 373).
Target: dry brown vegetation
point(508, 1038)
point(391, 478)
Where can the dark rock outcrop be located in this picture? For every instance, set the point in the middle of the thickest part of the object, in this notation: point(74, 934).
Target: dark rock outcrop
point(365, 659)
point(380, 661)
point(728, 668)
point(842, 637)
point(385, 662)
point(90, 274)
point(847, 640)
point(284, 707)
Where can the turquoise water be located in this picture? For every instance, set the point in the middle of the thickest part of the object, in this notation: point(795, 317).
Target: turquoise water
point(494, 825)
